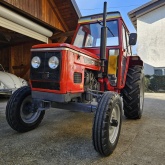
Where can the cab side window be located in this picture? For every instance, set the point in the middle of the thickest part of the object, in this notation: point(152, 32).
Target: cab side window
point(124, 39)
point(126, 45)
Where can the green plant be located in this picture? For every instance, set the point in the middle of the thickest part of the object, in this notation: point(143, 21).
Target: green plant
point(157, 83)
point(146, 83)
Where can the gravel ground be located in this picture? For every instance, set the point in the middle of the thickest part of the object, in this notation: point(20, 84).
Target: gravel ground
point(64, 137)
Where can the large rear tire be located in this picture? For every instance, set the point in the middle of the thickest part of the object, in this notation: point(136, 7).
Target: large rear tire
point(107, 123)
point(133, 93)
point(18, 111)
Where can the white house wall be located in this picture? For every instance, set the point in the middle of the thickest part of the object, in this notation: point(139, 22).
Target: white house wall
point(148, 69)
point(151, 37)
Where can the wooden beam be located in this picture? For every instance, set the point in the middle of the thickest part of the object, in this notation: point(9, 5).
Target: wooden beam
point(65, 34)
point(57, 13)
point(49, 41)
point(62, 39)
point(18, 67)
point(25, 70)
point(11, 59)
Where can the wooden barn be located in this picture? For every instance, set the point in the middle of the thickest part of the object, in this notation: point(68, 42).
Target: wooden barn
point(24, 23)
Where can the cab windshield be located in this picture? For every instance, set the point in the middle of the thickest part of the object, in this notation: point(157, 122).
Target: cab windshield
point(89, 35)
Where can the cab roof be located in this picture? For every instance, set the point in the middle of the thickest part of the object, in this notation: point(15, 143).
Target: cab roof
point(99, 17)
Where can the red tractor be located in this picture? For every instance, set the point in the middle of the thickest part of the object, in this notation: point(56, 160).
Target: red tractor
point(95, 73)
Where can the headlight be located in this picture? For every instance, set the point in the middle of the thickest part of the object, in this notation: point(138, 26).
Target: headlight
point(53, 62)
point(36, 61)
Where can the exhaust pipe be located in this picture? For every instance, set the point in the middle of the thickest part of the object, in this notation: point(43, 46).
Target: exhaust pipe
point(103, 41)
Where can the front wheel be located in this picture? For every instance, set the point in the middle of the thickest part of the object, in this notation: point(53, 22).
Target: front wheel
point(107, 123)
point(19, 112)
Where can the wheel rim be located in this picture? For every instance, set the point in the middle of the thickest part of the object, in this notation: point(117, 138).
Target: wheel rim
point(114, 130)
point(26, 115)
point(141, 96)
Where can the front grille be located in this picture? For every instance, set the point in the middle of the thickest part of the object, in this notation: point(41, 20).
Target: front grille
point(44, 72)
point(77, 77)
point(46, 85)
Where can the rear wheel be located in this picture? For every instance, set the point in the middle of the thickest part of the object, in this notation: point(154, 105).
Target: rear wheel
point(19, 113)
point(107, 123)
point(133, 93)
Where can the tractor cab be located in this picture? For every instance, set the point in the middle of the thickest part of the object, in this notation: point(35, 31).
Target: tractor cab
point(88, 37)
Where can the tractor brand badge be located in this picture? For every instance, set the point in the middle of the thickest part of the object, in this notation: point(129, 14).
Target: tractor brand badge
point(45, 75)
point(91, 62)
point(97, 16)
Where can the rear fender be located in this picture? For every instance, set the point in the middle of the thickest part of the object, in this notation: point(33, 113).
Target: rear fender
point(131, 61)
point(135, 60)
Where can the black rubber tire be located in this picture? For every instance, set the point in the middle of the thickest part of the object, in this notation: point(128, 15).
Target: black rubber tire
point(133, 93)
point(13, 111)
point(101, 125)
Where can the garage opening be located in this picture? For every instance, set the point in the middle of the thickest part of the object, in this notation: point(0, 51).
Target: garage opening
point(15, 52)
point(17, 35)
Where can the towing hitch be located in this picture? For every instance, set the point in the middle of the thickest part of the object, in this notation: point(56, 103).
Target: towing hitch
point(40, 105)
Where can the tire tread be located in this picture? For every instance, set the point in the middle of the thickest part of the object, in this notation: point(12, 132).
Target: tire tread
point(100, 133)
point(13, 112)
point(131, 92)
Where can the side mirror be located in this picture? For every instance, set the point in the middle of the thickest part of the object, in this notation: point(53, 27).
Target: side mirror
point(132, 39)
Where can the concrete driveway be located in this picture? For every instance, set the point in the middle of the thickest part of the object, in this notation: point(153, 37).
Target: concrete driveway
point(64, 137)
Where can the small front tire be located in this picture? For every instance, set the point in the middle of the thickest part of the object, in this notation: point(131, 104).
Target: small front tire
point(18, 111)
point(107, 123)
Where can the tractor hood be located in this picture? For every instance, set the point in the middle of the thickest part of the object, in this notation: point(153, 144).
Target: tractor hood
point(59, 45)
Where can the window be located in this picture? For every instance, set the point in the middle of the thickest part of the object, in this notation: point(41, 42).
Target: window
point(90, 35)
point(158, 72)
point(79, 38)
point(124, 39)
point(89, 41)
point(126, 45)
point(129, 47)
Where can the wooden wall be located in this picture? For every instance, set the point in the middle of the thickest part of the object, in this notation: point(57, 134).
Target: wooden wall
point(16, 59)
point(40, 9)
point(4, 58)
point(20, 60)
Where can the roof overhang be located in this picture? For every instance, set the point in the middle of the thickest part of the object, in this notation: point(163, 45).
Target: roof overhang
point(76, 8)
point(13, 21)
point(146, 8)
